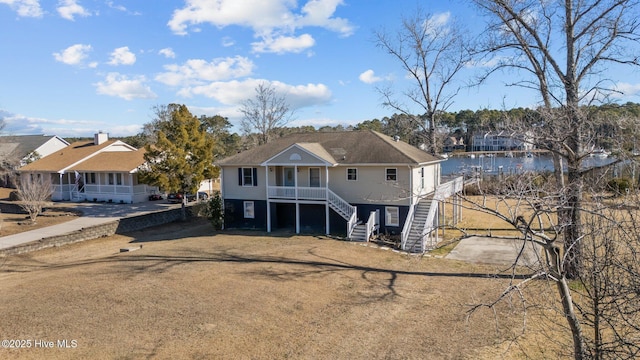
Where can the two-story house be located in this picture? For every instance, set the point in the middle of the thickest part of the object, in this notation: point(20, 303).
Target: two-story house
point(327, 182)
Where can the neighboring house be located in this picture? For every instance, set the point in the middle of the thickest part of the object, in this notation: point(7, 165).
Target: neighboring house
point(451, 144)
point(328, 182)
point(98, 170)
point(17, 151)
point(500, 141)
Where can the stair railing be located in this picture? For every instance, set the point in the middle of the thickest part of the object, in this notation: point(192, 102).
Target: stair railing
point(372, 223)
point(406, 229)
point(346, 210)
point(442, 192)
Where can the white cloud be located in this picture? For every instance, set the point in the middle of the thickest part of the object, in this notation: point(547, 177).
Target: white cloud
point(227, 41)
point(198, 71)
point(234, 92)
point(284, 44)
point(168, 53)
point(26, 8)
point(112, 5)
point(18, 124)
point(73, 55)
point(68, 9)
point(124, 87)
point(625, 90)
point(437, 25)
point(369, 77)
point(274, 21)
point(320, 12)
point(122, 56)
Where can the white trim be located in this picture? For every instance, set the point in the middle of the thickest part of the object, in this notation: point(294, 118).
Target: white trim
point(323, 161)
point(347, 173)
point(386, 174)
point(388, 215)
point(319, 176)
point(249, 209)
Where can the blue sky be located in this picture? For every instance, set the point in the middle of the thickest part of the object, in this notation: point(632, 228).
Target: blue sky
point(74, 67)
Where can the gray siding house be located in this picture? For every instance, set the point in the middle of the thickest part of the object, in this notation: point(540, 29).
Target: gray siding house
point(341, 183)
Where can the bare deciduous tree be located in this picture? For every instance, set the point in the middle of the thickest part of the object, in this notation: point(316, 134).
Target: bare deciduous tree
point(600, 306)
point(34, 193)
point(432, 51)
point(265, 113)
point(560, 49)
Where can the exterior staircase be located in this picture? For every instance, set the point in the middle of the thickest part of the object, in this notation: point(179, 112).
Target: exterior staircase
point(415, 243)
point(359, 233)
point(344, 209)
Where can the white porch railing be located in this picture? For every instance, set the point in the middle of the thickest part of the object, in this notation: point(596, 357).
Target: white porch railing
point(338, 204)
point(297, 193)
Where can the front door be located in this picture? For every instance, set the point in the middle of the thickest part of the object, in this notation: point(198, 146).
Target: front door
point(289, 176)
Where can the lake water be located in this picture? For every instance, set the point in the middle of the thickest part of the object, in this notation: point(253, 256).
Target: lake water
point(459, 165)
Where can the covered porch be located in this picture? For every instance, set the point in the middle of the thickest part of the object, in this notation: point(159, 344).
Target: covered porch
point(100, 187)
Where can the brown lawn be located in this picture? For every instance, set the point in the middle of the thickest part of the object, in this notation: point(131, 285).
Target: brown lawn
point(191, 293)
point(11, 224)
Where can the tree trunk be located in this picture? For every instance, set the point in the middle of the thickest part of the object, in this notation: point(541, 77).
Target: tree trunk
point(579, 349)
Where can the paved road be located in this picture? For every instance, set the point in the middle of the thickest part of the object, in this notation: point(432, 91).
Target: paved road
point(496, 251)
point(92, 214)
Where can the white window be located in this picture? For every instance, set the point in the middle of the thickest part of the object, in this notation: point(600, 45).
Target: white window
point(392, 216)
point(422, 178)
point(91, 178)
point(249, 212)
point(314, 177)
point(247, 176)
point(117, 177)
point(352, 174)
point(391, 174)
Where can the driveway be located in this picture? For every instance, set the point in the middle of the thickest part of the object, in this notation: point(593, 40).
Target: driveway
point(92, 214)
point(498, 251)
point(116, 210)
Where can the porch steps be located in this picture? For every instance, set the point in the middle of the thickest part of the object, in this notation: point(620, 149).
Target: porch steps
point(415, 240)
point(359, 233)
point(77, 196)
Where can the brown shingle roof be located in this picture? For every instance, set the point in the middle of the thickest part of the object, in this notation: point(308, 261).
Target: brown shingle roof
point(66, 157)
point(349, 147)
point(116, 161)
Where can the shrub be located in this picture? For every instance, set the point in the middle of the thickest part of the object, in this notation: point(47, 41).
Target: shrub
point(215, 213)
point(619, 185)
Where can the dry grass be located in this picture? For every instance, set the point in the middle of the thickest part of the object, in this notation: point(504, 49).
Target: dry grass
point(11, 224)
point(190, 293)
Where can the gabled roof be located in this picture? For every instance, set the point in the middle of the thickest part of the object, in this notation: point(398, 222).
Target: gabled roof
point(73, 155)
point(20, 146)
point(345, 148)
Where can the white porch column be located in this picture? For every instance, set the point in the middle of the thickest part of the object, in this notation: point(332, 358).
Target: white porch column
point(326, 201)
point(295, 177)
point(266, 181)
point(297, 218)
point(326, 210)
